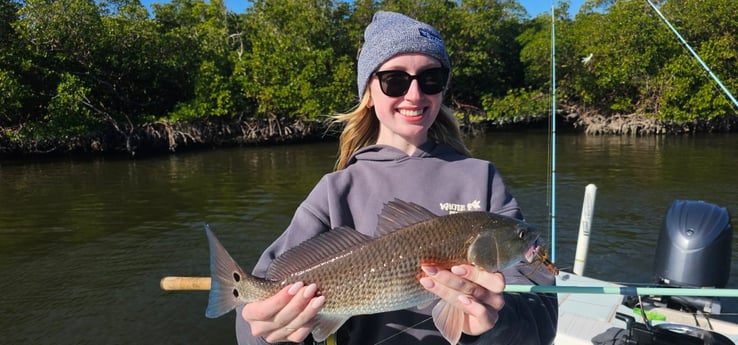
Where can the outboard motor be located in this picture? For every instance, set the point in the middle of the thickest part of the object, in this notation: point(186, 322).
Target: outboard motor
point(693, 250)
point(695, 245)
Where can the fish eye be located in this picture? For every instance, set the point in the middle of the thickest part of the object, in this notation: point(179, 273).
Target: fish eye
point(522, 233)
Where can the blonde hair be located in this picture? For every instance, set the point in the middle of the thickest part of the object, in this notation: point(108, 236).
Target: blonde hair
point(361, 129)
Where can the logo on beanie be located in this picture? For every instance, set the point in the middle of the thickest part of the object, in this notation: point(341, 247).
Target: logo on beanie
point(430, 35)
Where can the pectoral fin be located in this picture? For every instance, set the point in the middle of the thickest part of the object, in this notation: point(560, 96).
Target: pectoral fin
point(325, 325)
point(425, 304)
point(449, 321)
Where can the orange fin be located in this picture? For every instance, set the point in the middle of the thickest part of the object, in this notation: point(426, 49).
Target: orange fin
point(449, 321)
point(325, 325)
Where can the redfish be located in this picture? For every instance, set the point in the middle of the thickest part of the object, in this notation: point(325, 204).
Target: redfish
point(359, 274)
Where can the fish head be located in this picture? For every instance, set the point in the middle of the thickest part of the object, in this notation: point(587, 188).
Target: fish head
point(503, 243)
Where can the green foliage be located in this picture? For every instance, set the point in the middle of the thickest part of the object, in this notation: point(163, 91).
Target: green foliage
point(69, 113)
point(8, 15)
point(198, 60)
point(535, 53)
point(13, 93)
point(292, 68)
point(517, 105)
point(71, 66)
point(638, 65)
point(689, 93)
point(537, 46)
point(626, 54)
point(213, 96)
point(491, 65)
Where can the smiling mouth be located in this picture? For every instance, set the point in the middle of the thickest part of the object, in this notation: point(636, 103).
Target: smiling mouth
point(411, 113)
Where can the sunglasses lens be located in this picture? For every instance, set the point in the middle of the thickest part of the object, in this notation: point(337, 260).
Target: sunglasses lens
point(396, 83)
point(432, 81)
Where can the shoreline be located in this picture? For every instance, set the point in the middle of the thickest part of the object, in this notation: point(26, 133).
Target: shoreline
point(164, 138)
point(592, 123)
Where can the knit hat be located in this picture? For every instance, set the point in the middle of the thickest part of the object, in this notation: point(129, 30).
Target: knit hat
point(390, 34)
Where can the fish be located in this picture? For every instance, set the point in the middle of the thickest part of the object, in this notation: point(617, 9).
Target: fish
point(360, 274)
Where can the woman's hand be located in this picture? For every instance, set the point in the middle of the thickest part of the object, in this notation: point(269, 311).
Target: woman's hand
point(474, 291)
point(287, 315)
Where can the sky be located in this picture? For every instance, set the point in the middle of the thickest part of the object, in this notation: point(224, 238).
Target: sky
point(534, 7)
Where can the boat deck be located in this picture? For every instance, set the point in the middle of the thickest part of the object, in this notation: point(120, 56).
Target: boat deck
point(585, 316)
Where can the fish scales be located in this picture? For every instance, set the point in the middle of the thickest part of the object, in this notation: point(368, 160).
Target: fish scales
point(383, 274)
point(362, 275)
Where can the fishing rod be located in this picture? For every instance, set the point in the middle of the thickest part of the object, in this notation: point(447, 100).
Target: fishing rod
point(624, 290)
point(552, 143)
point(203, 284)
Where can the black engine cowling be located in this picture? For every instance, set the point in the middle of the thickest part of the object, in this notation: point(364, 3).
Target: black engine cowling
point(695, 245)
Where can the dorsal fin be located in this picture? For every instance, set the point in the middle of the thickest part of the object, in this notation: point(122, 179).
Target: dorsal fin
point(315, 251)
point(398, 214)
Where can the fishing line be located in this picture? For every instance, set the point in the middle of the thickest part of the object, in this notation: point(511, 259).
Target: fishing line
point(403, 331)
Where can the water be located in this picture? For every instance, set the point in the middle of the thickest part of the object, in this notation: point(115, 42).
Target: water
point(83, 243)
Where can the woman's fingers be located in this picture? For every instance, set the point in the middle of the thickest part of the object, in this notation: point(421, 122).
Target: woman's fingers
point(268, 308)
point(290, 313)
point(476, 292)
point(490, 285)
point(453, 289)
point(286, 316)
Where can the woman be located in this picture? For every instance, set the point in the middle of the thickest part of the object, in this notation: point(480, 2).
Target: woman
point(401, 142)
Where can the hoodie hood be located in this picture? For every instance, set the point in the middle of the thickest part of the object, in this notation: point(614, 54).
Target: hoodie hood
point(386, 153)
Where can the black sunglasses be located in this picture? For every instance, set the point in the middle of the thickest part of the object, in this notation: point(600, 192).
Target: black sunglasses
point(396, 83)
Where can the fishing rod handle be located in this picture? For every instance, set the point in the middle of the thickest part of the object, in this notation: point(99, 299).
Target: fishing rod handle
point(184, 283)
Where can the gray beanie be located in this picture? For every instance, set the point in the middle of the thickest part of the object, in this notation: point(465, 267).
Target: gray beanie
point(391, 34)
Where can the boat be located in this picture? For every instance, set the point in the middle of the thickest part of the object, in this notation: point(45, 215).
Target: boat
point(686, 304)
point(693, 255)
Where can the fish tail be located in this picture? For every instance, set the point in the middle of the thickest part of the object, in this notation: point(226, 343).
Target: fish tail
point(226, 279)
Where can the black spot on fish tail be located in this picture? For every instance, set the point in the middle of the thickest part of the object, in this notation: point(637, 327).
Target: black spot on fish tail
point(224, 270)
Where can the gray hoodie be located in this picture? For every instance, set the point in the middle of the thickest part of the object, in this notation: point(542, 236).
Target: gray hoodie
point(438, 178)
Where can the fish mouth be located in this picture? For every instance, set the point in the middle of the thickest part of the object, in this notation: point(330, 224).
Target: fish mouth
point(531, 253)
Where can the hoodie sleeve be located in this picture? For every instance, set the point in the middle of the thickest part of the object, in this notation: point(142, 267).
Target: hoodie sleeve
point(526, 318)
point(501, 200)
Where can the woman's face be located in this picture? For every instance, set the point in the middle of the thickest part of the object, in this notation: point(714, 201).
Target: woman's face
point(405, 120)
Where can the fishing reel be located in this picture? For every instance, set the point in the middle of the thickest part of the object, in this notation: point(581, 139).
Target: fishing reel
point(667, 334)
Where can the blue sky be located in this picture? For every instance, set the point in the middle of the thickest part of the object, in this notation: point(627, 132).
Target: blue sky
point(534, 7)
